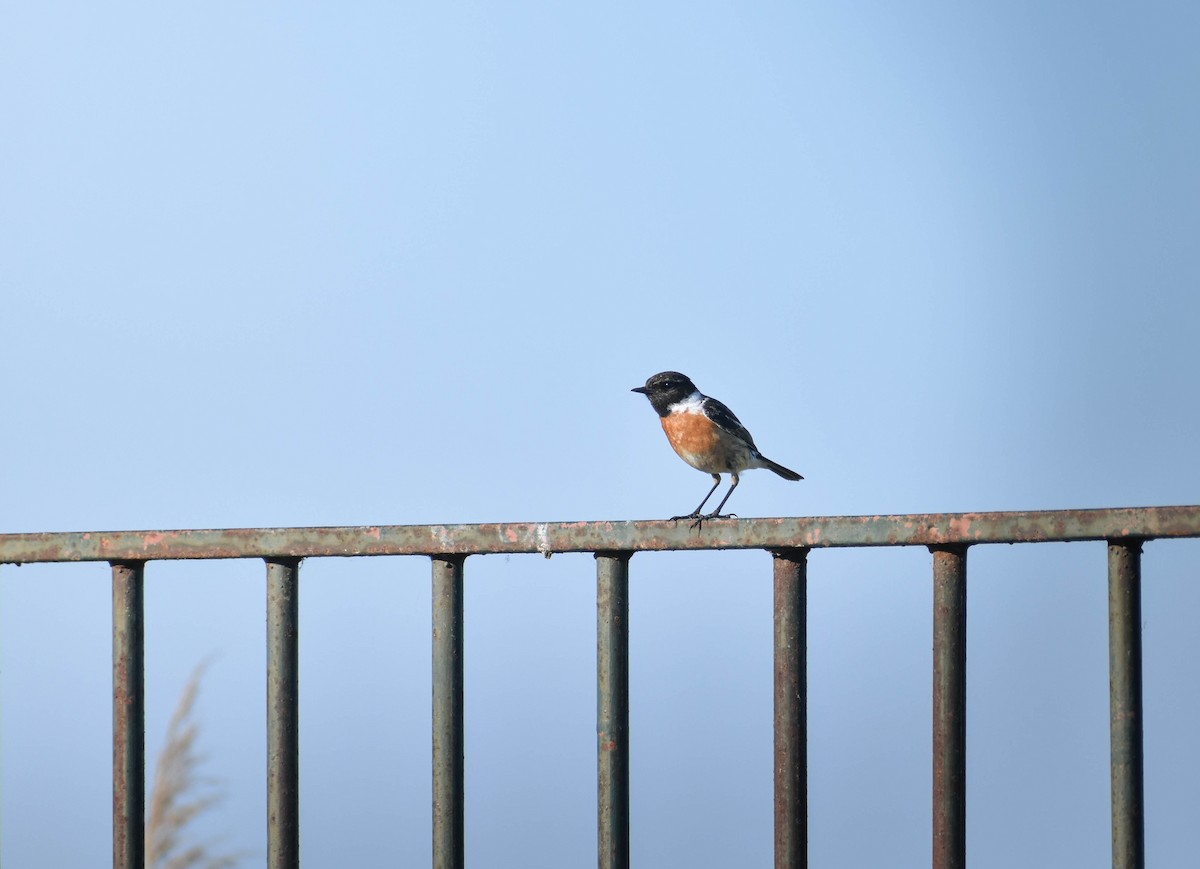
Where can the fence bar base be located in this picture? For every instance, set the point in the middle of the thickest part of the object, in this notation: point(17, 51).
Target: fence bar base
point(612, 708)
point(791, 709)
point(448, 762)
point(949, 707)
point(1125, 702)
point(283, 713)
point(129, 716)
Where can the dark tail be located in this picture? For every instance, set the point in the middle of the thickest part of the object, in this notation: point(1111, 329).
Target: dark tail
point(780, 469)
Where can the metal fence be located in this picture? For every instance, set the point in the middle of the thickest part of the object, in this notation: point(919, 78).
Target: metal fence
point(948, 536)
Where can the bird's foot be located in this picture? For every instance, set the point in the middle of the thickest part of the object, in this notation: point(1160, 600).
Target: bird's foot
point(695, 514)
point(700, 520)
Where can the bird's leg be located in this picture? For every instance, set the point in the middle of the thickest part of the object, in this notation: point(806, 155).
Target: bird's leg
point(695, 513)
point(717, 514)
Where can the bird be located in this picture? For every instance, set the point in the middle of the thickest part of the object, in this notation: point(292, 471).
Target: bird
point(706, 435)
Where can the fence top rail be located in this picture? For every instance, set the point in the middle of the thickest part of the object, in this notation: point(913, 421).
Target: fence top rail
point(547, 538)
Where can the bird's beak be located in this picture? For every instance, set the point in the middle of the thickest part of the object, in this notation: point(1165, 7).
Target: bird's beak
point(640, 389)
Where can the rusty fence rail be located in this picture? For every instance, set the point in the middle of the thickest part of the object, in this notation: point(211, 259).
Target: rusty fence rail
point(947, 535)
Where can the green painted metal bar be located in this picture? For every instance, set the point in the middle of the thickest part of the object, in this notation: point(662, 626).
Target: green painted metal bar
point(448, 754)
point(129, 716)
point(791, 709)
point(934, 529)
point(283, 713)
point(949, 707)
point(612, 708)
point(1125, 702)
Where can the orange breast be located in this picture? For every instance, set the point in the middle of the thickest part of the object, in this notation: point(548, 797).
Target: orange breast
point(694, 437)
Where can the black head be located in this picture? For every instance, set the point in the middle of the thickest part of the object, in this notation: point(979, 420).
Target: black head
point(665, 389)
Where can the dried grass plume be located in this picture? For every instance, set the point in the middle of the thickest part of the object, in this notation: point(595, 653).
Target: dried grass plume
point(180, 795)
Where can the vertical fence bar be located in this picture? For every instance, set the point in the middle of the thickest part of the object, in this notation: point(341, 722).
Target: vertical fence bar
point(448, 784)
point(612, 708)
point(283, 713)
point(129, 716)
point(949, 707)
point(1125, 702)
point(791, 709)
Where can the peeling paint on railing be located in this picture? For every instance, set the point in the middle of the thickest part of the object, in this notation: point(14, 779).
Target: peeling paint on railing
point(547, 538)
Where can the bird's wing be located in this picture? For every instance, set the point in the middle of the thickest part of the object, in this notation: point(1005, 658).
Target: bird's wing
point(724, 417)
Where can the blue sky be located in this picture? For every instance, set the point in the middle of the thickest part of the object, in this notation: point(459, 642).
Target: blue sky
point(402, 264)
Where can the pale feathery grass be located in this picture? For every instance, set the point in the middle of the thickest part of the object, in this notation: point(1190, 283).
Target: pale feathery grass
point(180, 795)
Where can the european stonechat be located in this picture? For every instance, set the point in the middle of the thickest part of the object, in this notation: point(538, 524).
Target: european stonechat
point(706, 435)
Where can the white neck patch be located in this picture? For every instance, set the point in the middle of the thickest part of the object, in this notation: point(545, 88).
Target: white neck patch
point(694, 403)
